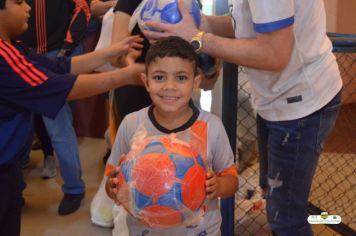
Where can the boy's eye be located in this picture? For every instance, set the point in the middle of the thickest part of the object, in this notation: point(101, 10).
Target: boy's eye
point(182, 77)
point(158, 77)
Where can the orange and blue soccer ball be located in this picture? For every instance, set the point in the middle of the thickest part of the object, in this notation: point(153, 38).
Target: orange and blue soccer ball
point(163, 184)
point(166, 11)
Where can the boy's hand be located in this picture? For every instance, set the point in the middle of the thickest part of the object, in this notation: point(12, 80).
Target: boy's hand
point(112, 184)
point(211, 184)
point(131, 56)
point(123, 47)
point(131, 74)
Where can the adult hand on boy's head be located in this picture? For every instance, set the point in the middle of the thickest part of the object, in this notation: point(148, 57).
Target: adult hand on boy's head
point(185, 29)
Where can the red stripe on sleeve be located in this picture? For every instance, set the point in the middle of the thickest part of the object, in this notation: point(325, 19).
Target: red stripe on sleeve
point(29, 66)
point(25, 68)
point(15, 68)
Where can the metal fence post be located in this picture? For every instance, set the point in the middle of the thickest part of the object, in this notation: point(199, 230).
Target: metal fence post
point(229, 116)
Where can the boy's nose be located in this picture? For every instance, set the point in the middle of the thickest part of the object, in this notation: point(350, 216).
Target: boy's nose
point(169, 85)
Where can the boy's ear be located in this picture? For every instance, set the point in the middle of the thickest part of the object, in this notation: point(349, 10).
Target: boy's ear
point(145, 81)
point(197, 80)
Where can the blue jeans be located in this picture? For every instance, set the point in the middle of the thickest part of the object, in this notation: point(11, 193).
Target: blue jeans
point(64, 141)
point(289, 153)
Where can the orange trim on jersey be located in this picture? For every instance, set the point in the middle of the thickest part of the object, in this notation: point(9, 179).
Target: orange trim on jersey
point(41, 26)
point(80, 5)
point(232, 170)
point(20, 65)
point(199, 138)
point(108, 169)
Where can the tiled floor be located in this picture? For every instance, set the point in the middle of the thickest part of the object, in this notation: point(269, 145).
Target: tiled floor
point(42, 197)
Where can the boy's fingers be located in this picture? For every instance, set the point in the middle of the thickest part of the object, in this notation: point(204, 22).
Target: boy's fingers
point(210, 189)
point(137, 45)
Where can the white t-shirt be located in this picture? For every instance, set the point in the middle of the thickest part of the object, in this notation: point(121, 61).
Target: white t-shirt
point(311, 79)
point(213, 144)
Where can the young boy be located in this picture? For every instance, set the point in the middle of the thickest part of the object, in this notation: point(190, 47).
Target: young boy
point(171, 75)
point(32, 83)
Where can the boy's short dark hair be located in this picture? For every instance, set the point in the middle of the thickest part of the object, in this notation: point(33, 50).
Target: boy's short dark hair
point(172, 46)
point(2, 4)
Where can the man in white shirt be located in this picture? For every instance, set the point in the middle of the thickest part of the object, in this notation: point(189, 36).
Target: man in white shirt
point(295, 85)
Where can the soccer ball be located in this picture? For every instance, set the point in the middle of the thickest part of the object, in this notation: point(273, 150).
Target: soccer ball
point(165, 11)
point(163, 183)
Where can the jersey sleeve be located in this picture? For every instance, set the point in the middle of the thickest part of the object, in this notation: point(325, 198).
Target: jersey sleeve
point(271, 15)
point(127, 6)
point(223, 157)
point(120, 147)
point(30, 85)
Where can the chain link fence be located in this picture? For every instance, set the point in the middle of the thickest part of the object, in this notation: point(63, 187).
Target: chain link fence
point(334, 185)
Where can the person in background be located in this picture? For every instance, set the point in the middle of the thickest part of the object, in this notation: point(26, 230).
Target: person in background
point(32, 83)
point(56, 29)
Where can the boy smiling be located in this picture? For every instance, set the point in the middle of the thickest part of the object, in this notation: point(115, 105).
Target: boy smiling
point(170, 78)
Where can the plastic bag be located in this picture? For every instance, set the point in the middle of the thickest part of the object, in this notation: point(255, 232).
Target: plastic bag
point(105, 38)
point(120, 221)
point(101, 207)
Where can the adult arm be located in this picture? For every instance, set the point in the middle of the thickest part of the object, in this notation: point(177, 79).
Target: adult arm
point(267, 51)
point(99, 8)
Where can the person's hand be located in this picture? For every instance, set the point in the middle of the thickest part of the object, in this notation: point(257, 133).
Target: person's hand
point(125, 51)
point(131, 56)
point(130, 75)
point(136, 69)
point(112, 184)
point(123, 47)
point(211, 184)
point(185, 29)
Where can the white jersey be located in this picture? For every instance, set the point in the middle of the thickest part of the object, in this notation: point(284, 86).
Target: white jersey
point(215, 149)
point(311, 79)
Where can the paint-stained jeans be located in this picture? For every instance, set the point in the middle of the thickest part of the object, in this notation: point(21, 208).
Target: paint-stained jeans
point(289, 153)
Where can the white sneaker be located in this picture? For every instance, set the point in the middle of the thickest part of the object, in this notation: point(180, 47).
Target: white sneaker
point(49, 167)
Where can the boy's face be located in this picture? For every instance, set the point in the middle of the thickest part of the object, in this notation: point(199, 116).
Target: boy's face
point(14, 18)
point(170, 81)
